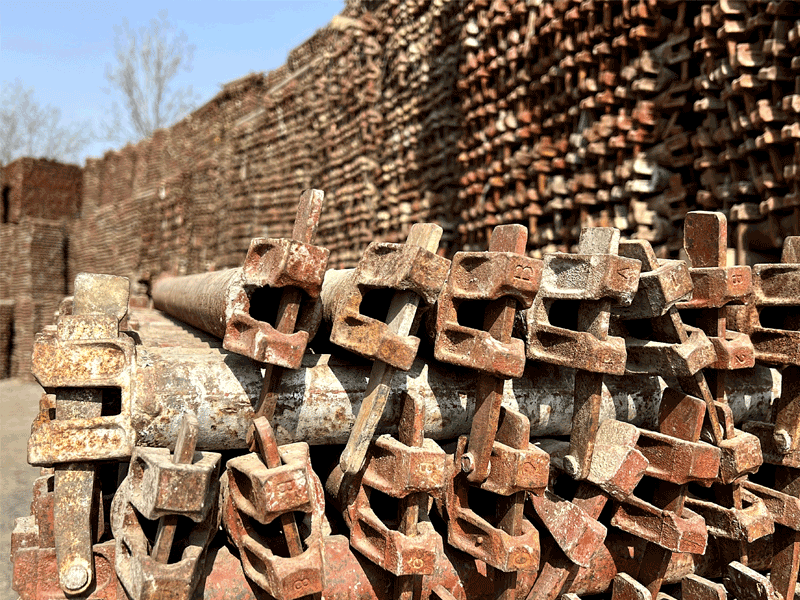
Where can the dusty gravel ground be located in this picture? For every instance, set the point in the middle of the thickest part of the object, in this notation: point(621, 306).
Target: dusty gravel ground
point(19, 402)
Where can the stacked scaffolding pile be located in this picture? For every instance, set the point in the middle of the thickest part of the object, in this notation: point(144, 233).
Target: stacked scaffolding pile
point(594, 423)
point(39, 199)
point(553, 115)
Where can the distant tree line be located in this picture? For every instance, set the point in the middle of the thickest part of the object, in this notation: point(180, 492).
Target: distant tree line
point(141, 82)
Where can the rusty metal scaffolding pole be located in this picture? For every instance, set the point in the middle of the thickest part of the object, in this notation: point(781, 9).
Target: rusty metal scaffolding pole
point(198, 300)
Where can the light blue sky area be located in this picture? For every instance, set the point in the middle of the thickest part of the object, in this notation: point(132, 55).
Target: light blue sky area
point(62, 48)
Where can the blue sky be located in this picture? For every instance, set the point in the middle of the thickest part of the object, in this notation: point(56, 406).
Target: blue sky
point(61, 48)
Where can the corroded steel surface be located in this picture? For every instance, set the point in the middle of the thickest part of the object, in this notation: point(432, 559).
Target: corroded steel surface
point(642, 444)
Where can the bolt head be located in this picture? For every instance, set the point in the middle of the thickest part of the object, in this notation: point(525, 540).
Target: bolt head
point(467, 462)
point(782, 439)
point(571, 466)
point(76, 579)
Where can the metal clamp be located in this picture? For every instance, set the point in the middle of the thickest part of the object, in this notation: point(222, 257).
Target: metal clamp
point(165, 488)
point(484, 276)
point(257, 490)
point(400, 267)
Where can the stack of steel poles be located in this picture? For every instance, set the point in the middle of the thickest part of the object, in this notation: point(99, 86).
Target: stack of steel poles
point(491, 426)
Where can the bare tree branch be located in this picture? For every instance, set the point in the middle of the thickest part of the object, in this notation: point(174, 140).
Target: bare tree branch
point(142, 78)
point(28, 128)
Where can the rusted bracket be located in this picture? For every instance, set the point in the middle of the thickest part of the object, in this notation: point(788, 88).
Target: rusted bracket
point(401, 319)
point(679, 461)
point(84, 355)
point(234, 304)
point(88, 363)
point(684, 533)
point(503, 277)
point(744, 582)
point(751, 522)
point(775, 288)
point(33, 553)
point(595, 277)
point(484, 277)
point(662, 284)
point(715, 287)
point(676, 458)
point(616, 476)
point(296, 266)
point(173, 490)
point(577, 533)
point(686, 349)
point(257, 490)
point(627, 588)
point(524, 468)
point(680, 360)
point(411, 469)
point(741, 456)
point(405, 268)
point(700, 588)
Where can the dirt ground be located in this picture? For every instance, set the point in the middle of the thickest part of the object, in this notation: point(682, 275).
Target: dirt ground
point(19, 403)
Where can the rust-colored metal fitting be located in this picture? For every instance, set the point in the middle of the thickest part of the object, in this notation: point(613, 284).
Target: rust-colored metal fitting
point(771, 453)
point(659, 289)
point(400, 267)
point(224, 303)
point(86, 352)
point(232, 304)
point(391, 550)
point(776, 288)
point(744, 582)
point(143, 576)
point(580, 277)
point(484, 276)
point(471, 533)
point(264, 493)
point(282, 262)
point(736, 351)
point(163, 486)
point(740, 456)
point(576, 532)
point(783, 508)
point(35, 573)
point(253, 495)
point(276, 264)
point(678, 359)
point(622, 466)
point(679, 461)
point(84, 360)
point(717, 285)
point(626, 587)
point(684, 533)
point(514, 470)
point(700, 588)
point(156, 486)
point(749, 523)
point(396, 470)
